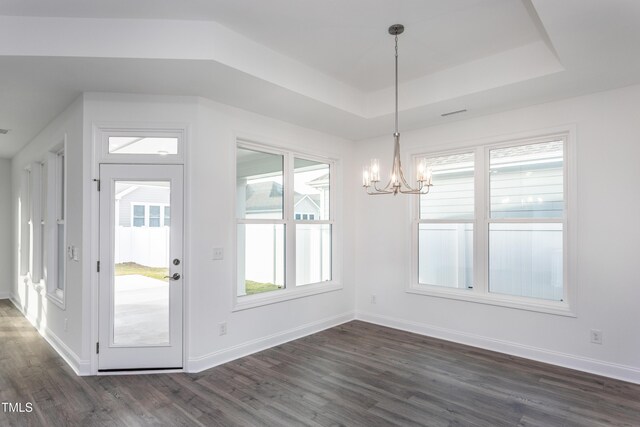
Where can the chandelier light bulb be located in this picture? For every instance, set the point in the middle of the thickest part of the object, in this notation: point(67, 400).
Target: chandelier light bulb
point(366, 180)
point(375, 170)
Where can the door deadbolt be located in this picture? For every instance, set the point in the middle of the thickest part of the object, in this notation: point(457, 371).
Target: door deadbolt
point(176, 261)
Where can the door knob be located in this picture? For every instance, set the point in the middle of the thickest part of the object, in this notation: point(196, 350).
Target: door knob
point(176, 276)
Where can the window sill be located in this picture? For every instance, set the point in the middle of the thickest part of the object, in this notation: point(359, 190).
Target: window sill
point(273, 297)
point(57, 297)
point(559, 308)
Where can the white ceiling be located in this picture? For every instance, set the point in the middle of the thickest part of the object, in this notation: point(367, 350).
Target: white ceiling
point(325, 65)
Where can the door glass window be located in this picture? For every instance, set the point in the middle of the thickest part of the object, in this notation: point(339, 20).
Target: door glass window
point(141, 264)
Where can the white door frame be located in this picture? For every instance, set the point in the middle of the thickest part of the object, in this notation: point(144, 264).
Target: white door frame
point(88, 365)
point(140, 357)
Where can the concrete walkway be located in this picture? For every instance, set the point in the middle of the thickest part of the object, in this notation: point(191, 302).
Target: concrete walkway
point(141, 311)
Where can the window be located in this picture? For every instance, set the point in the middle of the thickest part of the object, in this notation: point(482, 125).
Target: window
point(313, 239)
point(139, 215)
point(445, 230)
point(493, 227)
point(526, 193)
point(146, 215)
point(154, 216)
point(285, 225)
point(60, 211)
point(25, 221)
point(167, 216)
point(35, 222)
point(139, 144)
point(143, 145)
point(55, 240)
point(43, 222)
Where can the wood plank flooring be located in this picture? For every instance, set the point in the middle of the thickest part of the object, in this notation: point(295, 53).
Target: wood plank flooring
point(357, 374)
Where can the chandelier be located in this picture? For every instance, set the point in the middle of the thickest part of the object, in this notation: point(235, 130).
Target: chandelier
point(397, 182)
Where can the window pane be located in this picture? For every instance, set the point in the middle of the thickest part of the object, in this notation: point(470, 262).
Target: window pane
point(141, 265)
point(451, 196)
point(527, 181)
point(526, 260)
point(311, 185)
point(138, 210)
point(445, 255)
point(313, 253)
point(260, 258)
point(259, 184)
point(61, 257)
point(154, 216)
point(141, 145)
point(167, 216)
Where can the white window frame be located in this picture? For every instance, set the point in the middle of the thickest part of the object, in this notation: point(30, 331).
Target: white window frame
point(480, 291)
point(56, 215)
point(291, 290)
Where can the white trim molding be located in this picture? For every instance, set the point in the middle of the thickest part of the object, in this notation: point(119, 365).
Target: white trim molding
point(580, 363)
point(207, 361)
point(79, 366)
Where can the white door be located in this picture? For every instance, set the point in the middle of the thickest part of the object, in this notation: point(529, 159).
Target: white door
point(140, 319)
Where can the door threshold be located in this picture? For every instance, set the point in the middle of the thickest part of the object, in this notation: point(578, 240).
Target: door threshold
point(140, 371)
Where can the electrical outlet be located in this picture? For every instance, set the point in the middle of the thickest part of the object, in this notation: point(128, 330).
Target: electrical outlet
point(223, 328)
point(374, 299)
point(596, 336)
point(218, 253)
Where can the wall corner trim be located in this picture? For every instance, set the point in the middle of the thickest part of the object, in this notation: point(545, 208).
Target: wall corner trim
point(593, 366)
point(198, 364)
point(79, 366)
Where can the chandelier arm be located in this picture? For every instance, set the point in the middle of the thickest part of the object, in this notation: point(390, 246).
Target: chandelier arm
point(404, 181)
point(378, 193)
point(420, 191)
point(385, 189)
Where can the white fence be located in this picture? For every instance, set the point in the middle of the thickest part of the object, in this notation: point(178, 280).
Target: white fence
point(147, 246)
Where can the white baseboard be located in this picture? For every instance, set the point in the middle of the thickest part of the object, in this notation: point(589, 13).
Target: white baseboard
point(210, 360)
point(598, 367)
point(79, 366)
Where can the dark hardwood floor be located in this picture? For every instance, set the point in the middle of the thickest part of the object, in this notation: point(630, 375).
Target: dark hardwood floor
point(356, 374)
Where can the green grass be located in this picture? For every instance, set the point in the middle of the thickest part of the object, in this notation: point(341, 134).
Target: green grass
point(128, 268)
point(257, 287)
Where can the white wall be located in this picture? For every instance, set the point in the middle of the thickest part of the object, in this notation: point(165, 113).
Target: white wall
point(61, 326)
point(608, 229)
point(6, 253)
point(210, 222)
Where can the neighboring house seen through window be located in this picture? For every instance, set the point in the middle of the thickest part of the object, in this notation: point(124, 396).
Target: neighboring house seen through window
point(494, 224)
point(269, 235)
